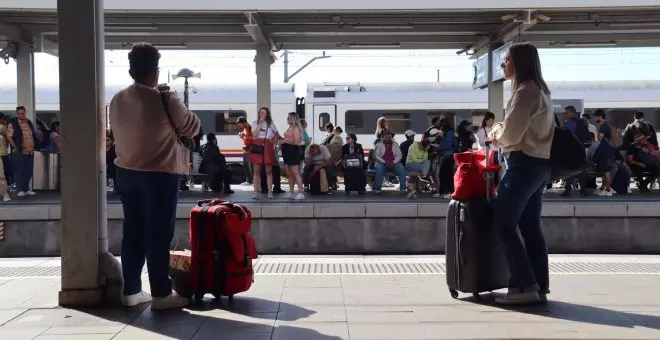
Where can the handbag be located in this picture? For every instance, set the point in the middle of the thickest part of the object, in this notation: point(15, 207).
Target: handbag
point(352, 163)
point(188, 142)
point(258, 148)
point(469, 181)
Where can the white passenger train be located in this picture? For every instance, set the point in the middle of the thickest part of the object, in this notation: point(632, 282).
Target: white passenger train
point(356, 107)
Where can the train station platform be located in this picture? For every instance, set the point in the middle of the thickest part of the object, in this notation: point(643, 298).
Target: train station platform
point(378, 297)
point(370, 224)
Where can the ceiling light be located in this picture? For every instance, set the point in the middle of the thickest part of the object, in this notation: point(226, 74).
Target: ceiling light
point(392, 27)
point(590, 44)
point(170, 46)
point(356, 45)
point(132, 28)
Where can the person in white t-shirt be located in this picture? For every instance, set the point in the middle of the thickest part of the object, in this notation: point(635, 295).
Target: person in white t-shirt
point(484, 130)
point(262, 153)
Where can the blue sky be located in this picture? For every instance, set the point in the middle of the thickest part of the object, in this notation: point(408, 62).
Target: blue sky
point(369, 66)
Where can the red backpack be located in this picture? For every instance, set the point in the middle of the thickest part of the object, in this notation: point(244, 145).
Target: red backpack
point(222, 249)
point(469, 178)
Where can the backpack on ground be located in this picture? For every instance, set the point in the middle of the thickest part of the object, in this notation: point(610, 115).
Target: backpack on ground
point(222, 249)
point(567, 154)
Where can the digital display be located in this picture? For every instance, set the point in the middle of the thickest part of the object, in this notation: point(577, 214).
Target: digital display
point(499, 55)
point(480, 73)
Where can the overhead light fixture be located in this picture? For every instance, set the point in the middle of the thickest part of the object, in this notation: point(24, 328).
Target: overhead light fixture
point(634, 24)
point(378, 27)
point(132, 28)
point(590, 44)
point(170, 46)
point(355, 45)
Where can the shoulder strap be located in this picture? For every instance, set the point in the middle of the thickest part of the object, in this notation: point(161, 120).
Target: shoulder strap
point(556, 120)
point(163, 99)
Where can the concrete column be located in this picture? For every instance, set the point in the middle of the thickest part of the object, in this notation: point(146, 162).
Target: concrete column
point(495, 90)
point(89, 274)
point(262, 65)
point(25, 79)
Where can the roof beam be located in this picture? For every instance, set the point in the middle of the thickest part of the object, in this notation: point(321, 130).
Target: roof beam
point(257, 31)
point(40, 44)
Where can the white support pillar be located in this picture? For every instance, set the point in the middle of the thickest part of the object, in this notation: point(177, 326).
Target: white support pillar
point(25, 79)
point(89, 274)
point(495, 90)
point(262, 65)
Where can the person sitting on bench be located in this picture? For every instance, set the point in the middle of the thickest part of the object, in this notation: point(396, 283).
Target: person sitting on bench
point(214, 165)
point(388, 159)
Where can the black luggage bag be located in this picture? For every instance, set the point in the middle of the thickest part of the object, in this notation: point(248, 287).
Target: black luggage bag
point(474, 259)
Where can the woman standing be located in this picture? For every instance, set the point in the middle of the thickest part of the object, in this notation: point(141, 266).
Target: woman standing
point(485, 128)
point(525, 137)
point(291, 154)
point(262, 152)
point(54, 138)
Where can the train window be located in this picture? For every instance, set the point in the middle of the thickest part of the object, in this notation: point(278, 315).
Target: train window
point(324, 118)
point(399, 122)
point(225, 121)
point(354, 120)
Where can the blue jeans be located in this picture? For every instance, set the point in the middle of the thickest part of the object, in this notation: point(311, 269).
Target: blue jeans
point(518, 205)
point(381, 170)
point(149, 200)
point(422, 167)
point(23, 167)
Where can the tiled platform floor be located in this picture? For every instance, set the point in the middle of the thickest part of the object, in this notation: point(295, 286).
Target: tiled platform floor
point(319, 307)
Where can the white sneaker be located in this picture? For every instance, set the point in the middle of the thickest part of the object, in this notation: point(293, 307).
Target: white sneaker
point(246, 184)
point(604, 193)
point(519, 298)
point(300, 196)
point(6, 198)
point(135, 299)
point(30, 193)
point(270, 195)
point(21, 194)
point(172, 301)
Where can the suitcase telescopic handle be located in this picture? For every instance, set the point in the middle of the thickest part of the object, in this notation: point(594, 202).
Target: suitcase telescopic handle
point(210, 202)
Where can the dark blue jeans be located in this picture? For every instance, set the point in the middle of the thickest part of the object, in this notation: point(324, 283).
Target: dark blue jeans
point(23, 167)
point(519, 202)
point(149, 200)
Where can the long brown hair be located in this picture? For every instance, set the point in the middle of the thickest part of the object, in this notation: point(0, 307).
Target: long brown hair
point(527, 64)
point(269, 118)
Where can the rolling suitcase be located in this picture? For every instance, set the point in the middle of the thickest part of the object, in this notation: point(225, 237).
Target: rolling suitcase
point(222, 249)
point(474, 260)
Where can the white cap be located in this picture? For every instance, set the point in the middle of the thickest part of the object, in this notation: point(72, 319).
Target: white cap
point(409, 133)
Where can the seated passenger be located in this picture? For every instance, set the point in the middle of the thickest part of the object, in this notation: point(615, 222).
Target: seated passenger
point(214, 165)
point(405, 146)
point(643, 162)
point(352, 160)
point(317, 157)
point(388, 157)
point(418, 157)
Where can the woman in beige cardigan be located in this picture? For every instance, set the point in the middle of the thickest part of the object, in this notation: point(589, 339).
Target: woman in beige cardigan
point(525, 137)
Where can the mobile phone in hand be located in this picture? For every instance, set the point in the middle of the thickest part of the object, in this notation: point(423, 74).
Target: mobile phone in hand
point(163, 87)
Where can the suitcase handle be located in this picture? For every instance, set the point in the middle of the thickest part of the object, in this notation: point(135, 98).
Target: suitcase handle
point(211, 202)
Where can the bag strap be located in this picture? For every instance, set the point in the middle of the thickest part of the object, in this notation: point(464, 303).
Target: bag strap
point(163, 99)
point(556, 120)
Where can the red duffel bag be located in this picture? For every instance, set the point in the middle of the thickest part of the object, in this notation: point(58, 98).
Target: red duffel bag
point(470, 177)
point(222, 249)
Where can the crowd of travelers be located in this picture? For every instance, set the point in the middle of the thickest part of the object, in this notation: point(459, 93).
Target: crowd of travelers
point(148, 178)
point(19, 139)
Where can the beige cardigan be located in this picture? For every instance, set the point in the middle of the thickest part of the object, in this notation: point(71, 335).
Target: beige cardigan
point(528, 124)
point(144, 138)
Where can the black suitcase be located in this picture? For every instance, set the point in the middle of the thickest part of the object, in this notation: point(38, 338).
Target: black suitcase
point(474, 259)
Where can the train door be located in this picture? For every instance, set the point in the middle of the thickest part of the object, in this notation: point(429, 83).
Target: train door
point(322, 115)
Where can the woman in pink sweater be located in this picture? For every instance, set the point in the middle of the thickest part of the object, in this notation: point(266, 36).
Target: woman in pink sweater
point(150, 160)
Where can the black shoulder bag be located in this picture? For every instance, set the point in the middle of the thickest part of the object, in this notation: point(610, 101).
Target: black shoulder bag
point(188, 142)
point(256, 148)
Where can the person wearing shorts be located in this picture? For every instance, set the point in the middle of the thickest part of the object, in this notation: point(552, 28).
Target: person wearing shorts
point(291, 153)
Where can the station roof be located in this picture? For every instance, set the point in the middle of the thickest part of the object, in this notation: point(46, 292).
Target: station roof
point(331, 27)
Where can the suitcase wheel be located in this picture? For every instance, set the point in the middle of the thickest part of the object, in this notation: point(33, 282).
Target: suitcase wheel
point(453, 293)
point(477, 297)
point(199, 297)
